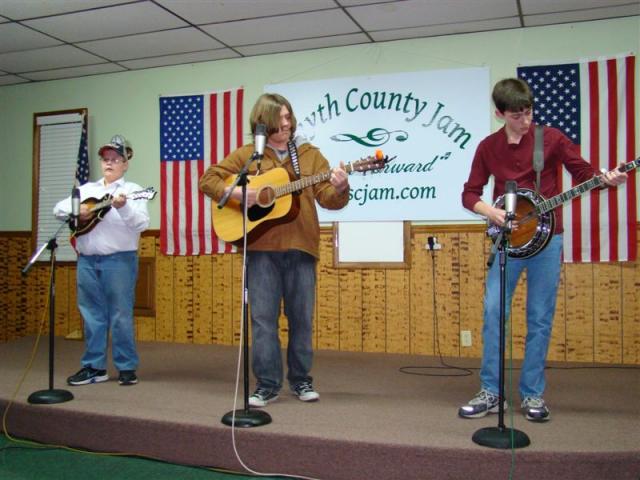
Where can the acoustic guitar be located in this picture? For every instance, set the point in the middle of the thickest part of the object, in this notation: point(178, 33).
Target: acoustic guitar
point(535, 217)
point(99, 208)
point(274, 199)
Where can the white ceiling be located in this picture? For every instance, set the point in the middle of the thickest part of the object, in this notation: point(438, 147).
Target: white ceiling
point(51, 39)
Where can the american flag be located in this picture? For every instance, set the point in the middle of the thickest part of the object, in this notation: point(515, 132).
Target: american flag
point(195, 132)
point(82, 167)
point(593, 103)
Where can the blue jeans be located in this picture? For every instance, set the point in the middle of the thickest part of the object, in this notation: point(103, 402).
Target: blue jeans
point(106, 293)
point(272, 277)
point(543, 276)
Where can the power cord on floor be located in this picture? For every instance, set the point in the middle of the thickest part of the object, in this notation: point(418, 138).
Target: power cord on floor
point(413, 370)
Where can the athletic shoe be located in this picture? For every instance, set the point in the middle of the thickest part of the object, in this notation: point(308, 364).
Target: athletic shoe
point(482, 404)
point(261, 397)
point(127, 377)
point(88, 375)
point(535, 409)
point(305, 392)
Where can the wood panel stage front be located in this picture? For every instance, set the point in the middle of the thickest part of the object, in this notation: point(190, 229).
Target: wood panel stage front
point(372, 420)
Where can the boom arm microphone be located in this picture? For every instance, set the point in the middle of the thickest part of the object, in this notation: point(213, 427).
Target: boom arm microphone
point(510, 200)
point(75, 205)
point(260, 140)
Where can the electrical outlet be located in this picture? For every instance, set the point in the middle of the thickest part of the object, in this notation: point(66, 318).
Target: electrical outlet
point(432, 244)
point(465, 338)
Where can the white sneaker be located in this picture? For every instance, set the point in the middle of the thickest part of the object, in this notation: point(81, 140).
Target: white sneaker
point(305, 392)
point(261, 397)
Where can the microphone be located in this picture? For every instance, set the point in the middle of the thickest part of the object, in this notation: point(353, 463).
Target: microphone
point(75, 205)
point(510, 200)
point(260, 140)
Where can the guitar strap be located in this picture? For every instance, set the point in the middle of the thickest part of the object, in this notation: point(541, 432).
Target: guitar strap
point(293, 154)
point(538, 153)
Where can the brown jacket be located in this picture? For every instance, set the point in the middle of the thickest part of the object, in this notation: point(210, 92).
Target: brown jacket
point(300, 230)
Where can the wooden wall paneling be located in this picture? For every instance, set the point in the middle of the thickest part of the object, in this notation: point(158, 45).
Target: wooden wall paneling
point(421, 339)
point(579, 306)
point(327, 318)
point(448, 295)
point(350, 299)
point(630, 314)
point(223, 307)
point(283, 326)
point(19, 249)
point(558, 343)
point(202, 299)
point(373, 310)
point(165, 287)
point(63, 293)
point(183, 299)
point(147, 246)
point(398, 310)
point(42, 273)
point(236, 300)
point(473, 266)
point(146, 325)
point(607, 323)
point(5, 291)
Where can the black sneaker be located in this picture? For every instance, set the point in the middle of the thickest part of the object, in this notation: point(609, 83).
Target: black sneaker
point(535, 409)
point(127, 377)
point(305, 392)
point(88, 375)
point(482, 404)
point(261, 397)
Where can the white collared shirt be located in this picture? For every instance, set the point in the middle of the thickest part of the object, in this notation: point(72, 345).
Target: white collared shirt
point(119, 230)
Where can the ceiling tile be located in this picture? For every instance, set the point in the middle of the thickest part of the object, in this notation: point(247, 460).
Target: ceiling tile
point(107, 22)
point(14, 37)
point(21, 9)
point(308, 44)
point(182, 58)
point(11, 80)
point(152, 44)
point(416, 13)
point(46, 58)
point(581, 15)
point(286, 27)
point(75, 72)
point(448, 29)
point(351, 3)
point(530, 7)
point(216, 11)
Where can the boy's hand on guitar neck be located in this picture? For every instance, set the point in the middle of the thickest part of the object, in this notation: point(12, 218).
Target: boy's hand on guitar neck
point(614, 177)
point(339, 179)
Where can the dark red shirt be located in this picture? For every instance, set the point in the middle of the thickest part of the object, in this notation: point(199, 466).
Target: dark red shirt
point(505, 161)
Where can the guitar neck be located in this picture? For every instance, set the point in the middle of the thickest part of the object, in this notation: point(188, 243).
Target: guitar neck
point(595, 182)
point(305, 182)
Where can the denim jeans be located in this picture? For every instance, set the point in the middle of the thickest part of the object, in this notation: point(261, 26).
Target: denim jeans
point(106, 293)
point(272, 277)
point(543, 276)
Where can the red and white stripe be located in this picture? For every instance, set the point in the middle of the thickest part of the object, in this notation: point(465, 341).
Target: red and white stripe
point(601, 225)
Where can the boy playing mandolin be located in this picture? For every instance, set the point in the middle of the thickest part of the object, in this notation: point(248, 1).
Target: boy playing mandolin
point(282, 254)
point(108, 266)
point(507, 155)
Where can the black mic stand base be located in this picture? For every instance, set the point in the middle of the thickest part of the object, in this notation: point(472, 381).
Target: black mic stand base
point(50, 396)
point(247, 418)
point(501, 437)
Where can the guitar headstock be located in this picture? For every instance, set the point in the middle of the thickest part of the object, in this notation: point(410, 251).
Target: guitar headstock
point(147, 194)
point(371, 163)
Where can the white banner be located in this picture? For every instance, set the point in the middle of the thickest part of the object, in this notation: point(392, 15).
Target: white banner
point(431, 121)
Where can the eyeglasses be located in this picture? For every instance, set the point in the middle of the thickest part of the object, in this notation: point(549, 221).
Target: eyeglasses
point(115, 161)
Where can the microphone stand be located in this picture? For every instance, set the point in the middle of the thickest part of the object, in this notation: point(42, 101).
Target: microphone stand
point(501, 436)
point(50, 395)
point(245, 417)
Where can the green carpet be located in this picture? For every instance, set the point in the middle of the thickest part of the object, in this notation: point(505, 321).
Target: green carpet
point(31, 461)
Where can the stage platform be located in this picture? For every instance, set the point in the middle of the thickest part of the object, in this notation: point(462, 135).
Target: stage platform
point(372, 421)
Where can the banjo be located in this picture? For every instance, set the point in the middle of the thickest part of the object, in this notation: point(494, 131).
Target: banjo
point(535, 217)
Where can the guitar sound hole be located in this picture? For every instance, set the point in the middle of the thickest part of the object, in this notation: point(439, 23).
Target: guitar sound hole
point(256, 212)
